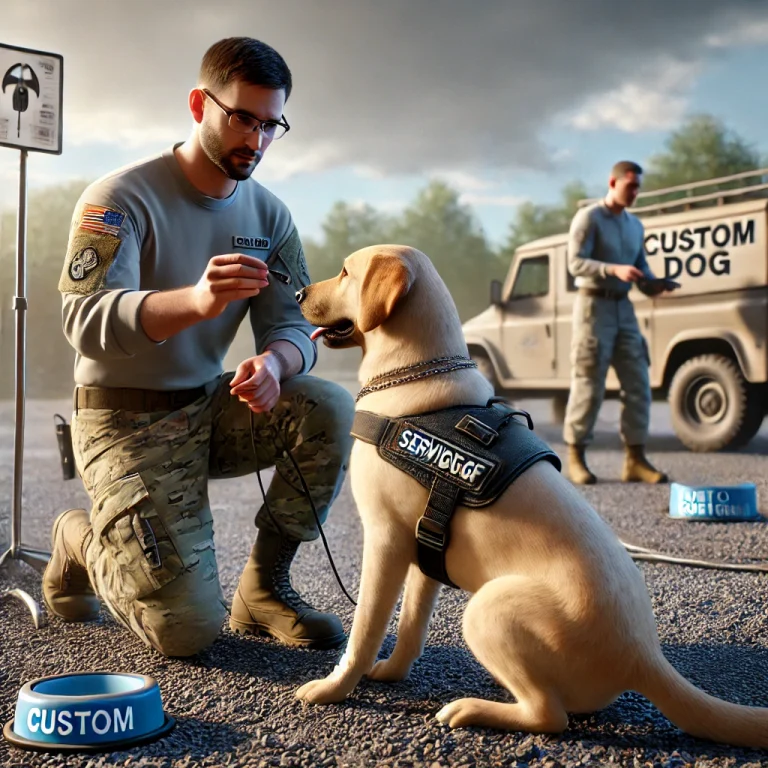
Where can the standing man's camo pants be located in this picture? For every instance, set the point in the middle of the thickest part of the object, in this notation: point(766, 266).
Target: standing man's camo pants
point(151, 558)
point(605, 333)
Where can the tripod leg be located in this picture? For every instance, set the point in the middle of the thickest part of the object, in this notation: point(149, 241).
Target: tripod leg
point(37, 615)
point(33, 557)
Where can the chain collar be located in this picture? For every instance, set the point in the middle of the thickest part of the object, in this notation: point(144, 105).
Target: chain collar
point(431, 368)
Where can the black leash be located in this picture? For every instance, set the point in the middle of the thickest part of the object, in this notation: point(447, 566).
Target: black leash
point(306, 493)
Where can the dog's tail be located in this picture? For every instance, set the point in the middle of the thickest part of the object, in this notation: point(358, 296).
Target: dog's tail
point(698, 713)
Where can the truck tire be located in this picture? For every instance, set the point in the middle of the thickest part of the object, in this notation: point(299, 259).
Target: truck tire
point(712, 406)
point(754, 418)
point(485, 366)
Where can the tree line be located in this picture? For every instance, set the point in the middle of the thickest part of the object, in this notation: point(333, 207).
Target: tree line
point(436, 222)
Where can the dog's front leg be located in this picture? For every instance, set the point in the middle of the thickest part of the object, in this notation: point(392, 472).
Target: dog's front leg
point(385, 563)
point(418, 603)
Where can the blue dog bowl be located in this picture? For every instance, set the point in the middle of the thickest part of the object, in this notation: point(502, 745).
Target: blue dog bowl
point(722, 503)
point(88, 712)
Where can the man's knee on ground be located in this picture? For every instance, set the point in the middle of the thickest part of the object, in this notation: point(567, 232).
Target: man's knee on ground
point(173, 638)
point(185, 635)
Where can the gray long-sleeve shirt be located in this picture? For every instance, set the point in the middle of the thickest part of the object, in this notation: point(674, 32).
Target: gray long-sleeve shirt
point(599, 237)
point(145, 228)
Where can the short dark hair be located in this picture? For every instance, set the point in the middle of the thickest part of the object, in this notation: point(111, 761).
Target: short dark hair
point(621, 169)
point(246, 59)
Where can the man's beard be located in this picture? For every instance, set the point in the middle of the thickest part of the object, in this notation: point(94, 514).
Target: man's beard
point(234, 164)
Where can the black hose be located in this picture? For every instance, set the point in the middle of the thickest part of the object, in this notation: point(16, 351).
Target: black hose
point(641, 553)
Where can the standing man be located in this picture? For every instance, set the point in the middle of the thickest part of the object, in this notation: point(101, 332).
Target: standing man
point(606, 254)
point(166, 257)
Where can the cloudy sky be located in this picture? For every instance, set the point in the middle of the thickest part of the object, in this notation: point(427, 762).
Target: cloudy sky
point(505, 99)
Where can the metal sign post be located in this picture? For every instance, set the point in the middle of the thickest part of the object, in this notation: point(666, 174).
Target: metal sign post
point(31, 95)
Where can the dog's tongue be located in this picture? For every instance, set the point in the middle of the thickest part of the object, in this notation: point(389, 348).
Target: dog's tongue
point(317, 333)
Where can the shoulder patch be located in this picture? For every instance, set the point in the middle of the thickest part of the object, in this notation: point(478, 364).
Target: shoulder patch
point(89, 257)
point(97, 218)
point(291, 253)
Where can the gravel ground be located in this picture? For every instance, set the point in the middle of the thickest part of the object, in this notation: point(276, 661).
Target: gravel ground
point(235, 706)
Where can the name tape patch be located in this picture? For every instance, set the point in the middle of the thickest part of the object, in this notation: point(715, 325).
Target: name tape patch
point(442, 456)
point(245, 241)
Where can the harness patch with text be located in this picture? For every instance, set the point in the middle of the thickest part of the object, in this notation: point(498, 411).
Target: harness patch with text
point(443, 457)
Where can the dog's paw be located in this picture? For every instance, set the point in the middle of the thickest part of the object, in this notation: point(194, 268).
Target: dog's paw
point(389, 671)
point(463, 713)
point(325, 691)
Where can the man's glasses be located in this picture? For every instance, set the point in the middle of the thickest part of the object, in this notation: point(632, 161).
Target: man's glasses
point(243, 123)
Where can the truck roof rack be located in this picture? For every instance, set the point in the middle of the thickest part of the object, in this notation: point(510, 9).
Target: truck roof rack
point(739, 187)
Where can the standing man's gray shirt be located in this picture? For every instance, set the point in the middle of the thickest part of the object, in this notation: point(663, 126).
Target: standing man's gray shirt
point(599, 237)
point(124, 227)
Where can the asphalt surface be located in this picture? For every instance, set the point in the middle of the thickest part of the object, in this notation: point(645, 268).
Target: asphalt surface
point(234, 703)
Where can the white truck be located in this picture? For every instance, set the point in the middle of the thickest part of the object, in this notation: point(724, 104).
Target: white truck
point(707, 340)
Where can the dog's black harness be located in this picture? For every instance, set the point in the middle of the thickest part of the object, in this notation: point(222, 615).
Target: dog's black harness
point(464, 455)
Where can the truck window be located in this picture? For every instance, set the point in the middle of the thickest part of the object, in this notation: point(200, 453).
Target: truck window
point(532, 278)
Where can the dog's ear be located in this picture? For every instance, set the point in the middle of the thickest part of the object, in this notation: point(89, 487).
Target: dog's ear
point(387, 280)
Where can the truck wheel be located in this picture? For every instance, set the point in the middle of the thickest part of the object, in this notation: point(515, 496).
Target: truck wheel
point(485, 366)
point(753, 420)
point(712, 406)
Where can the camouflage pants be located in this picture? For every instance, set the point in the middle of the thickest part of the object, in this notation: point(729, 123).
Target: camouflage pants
point(152, 558)
point(605, 333)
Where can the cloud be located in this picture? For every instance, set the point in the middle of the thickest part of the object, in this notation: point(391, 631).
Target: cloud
point(657, 100)
point(751, 33)
point(113, 125)
point(387, 88)
point(497, 201)
point(464, 181)
point(385, 206)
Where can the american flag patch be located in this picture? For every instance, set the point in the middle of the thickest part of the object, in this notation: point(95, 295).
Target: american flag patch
point(99, 219)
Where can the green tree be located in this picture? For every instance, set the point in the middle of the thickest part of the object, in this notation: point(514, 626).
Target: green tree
point(702, 148)
point(346, 229)
point(533, 221)
point(437, 224)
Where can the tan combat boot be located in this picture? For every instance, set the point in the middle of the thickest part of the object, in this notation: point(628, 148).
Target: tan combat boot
point(266, 603)
point(67, 590)
point(637, 468)
point(578, 471)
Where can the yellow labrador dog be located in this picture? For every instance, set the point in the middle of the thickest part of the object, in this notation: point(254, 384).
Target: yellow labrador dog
point(559, 613)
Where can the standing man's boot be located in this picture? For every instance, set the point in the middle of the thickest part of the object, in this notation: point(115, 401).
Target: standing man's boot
point(637, 468)
point(266, 603)
point(67, 590)
point(578, 471)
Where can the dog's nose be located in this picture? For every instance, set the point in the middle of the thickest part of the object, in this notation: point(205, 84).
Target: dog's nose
point(301, 295)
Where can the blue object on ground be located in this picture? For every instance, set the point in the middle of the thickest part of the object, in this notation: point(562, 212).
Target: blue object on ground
point(88, 712)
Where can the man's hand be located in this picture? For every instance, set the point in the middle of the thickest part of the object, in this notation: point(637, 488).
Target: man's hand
point(257, 382)
point(628, 273)
point(228, 278)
